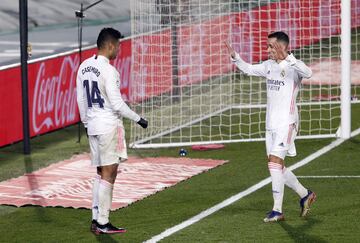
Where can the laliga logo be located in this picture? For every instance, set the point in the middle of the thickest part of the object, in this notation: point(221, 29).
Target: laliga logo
point(54, 100)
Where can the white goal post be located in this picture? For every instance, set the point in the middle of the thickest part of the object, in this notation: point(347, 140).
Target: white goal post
point(184, 83)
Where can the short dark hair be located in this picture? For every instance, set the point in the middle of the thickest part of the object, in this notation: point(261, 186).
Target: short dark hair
point(107, 34)
point(280, 36)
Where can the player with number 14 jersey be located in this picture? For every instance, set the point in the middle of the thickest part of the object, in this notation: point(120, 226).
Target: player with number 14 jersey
point(100, 101)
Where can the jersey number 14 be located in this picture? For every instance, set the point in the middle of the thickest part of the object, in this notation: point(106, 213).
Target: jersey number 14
point(93, 97)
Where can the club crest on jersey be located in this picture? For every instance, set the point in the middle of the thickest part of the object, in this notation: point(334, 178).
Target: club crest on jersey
point(282, 74)
point(268, 72)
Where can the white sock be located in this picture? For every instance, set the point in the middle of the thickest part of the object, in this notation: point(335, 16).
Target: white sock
point(292, 182)
point(277, 185)
point(95, 197)
point(105, 198)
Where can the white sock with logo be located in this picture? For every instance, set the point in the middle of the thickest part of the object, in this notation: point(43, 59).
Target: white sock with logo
point(277, 185)
point(292, 182)
point(95, 197)
point(105, 198)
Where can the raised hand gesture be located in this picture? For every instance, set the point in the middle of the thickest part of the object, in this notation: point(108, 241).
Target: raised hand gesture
point(230, 49)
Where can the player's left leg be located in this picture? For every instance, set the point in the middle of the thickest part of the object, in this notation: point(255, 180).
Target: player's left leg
point(275, 165)
point(307, 196)
point(95, 160)
point(95, 200)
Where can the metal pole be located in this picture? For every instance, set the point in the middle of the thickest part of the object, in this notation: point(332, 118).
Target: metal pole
point(175, 70)
point(80, 15)
point(174, 54)
point(80, 23)
point(345, 69)
point(23, 8)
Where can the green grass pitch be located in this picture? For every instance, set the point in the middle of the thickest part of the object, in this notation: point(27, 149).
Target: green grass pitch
point(333, 217)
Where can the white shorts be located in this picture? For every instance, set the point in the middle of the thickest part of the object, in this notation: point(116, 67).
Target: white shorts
point(281, 141)
point(110, 148)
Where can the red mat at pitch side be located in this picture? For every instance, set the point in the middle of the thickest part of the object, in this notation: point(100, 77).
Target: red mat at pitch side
point(69, 183)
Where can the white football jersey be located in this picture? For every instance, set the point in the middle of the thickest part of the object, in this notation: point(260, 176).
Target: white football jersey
point(283, 81)
point(98, 95)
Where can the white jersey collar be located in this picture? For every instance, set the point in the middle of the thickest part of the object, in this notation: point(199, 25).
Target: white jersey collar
point(102, 58)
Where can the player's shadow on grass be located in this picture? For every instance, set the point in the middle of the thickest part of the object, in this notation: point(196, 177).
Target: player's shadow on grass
point(298, 234)
point(106, 238)
point(34, 185)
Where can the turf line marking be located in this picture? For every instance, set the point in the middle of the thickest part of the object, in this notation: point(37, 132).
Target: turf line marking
point(248, 191)
point(329, 176)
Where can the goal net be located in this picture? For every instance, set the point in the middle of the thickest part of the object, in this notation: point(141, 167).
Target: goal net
point(184, 83)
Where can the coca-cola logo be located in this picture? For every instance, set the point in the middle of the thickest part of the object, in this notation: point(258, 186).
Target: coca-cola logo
point(54, 98)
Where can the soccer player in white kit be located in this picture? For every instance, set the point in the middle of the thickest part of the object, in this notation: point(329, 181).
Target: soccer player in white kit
point(101, 110)
point(283, 73)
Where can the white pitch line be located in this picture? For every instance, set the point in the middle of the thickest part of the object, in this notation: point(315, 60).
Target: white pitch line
point(242, 194)
point(330, 176)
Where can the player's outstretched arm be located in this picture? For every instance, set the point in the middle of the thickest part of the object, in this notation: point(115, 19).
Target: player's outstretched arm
point(252, 70)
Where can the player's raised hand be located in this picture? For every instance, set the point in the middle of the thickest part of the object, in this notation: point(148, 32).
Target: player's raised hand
point(230, 49)
point(280, 49)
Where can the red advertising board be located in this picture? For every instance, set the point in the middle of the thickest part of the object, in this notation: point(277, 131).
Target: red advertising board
point(52, 93)
point(201, 50)
point(10, 108)
point(306, 22)
point(152, 66)
point(202, 53)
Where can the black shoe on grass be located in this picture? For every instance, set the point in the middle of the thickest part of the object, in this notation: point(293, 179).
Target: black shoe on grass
point(109, 229)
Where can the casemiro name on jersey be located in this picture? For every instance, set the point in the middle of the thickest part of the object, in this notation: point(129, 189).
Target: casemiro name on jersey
point(91, 69)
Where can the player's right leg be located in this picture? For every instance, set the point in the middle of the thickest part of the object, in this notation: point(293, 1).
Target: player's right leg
point(307, 197)
point(289, 177)
point(275, 166)
point(274, 216)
